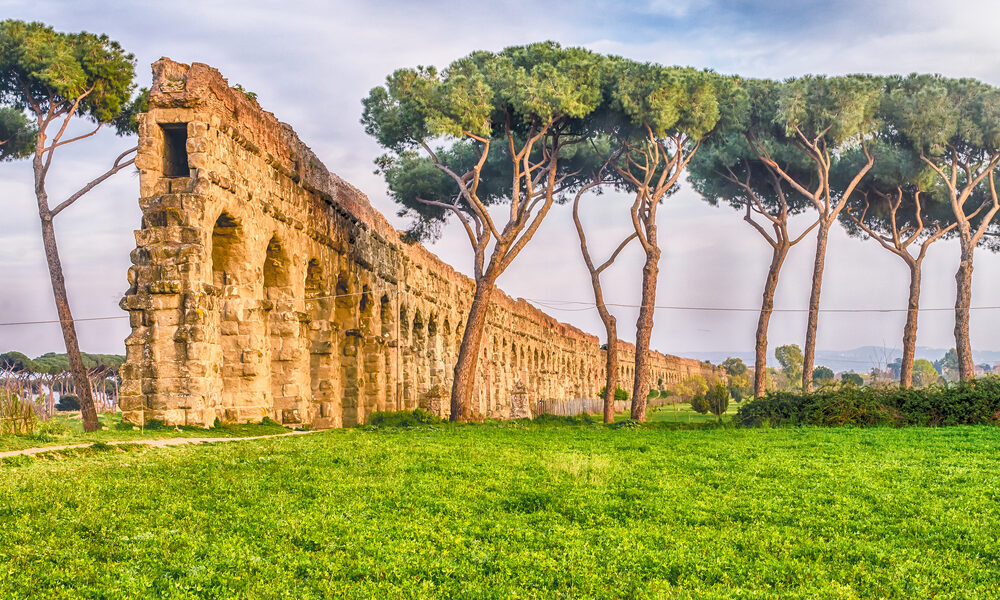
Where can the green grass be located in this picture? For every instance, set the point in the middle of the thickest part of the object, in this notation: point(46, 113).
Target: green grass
point(64, 429)
point(682, 414)
point(514, 511)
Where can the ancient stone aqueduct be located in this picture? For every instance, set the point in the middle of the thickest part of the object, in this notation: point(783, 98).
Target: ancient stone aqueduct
point(263, 285)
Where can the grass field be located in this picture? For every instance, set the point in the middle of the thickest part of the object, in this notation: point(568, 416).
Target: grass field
point(514, 511)
point(65, 429)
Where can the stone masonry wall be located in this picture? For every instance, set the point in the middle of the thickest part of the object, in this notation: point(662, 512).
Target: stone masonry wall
point(263, 285)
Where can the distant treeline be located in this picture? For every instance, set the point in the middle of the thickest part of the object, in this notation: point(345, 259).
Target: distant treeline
point(40, 380)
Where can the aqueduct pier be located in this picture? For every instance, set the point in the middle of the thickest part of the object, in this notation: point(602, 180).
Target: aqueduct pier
point(263, 285)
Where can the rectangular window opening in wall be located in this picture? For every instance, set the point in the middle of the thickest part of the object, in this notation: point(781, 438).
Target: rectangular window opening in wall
point(175, 158)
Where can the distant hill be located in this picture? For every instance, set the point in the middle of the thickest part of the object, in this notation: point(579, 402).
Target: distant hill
point(860, 359)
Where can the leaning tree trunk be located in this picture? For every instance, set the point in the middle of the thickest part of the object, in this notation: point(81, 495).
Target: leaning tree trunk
point(464, 385)
point(766, 308)
point(610, 362)
point(644, 331)
point(611, 354)
point(809, 353)
point(910, 329)
point(79, 372)
point(963, 299)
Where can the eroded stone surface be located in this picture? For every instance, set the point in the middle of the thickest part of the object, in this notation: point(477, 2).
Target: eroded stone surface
point(263, 285)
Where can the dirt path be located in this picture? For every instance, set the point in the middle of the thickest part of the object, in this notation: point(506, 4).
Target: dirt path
point(176, 441)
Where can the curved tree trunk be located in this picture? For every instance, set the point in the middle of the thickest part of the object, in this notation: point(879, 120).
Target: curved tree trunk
point(809, 352)
point(610, 371)
point(766, 308)
point(963, 299)
point(644, 331)
point(76, 367)
point(910, 329)
point(611, 354)
point(79, 372)
point(464, 385)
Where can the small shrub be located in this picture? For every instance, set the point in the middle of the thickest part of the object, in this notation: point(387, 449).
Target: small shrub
point(699, 404)
point(620, 394)
point(403, 418)
point(68, 402)
point(717, 399)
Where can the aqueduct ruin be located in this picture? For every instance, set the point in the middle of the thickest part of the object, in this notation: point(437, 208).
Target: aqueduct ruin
point(263, 285)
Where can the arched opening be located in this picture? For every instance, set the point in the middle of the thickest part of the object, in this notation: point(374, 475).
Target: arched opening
point(371, 378)
point(225, 248)
point(418, 343)
point(390, 344)
point(405, 383)
point(346, 317)
point(322, 372)
point(282, 330)
point(229, 281)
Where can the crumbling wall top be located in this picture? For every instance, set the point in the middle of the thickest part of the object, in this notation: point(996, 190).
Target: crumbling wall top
point(178, 85)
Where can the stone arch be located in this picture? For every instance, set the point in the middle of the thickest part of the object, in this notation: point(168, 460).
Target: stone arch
point(371, 375)
point(390, 359)
point(281, 325)
point(323, 373)
point(366, 303)
point(229, 278)
point(385, 313)
point(403, 385)
point(418, 358)
point(348, 339)
point(227, 246)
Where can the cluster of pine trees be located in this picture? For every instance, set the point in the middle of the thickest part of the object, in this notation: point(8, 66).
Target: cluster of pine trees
point(496, 139)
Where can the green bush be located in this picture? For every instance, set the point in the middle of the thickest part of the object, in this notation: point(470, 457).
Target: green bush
point(717, 399)
point(68, 402)
point(699, 404)
point(620, 394)
point(403, 418)
point(974, 402)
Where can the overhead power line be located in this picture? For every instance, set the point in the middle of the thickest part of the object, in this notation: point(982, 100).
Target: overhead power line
point(580, 305)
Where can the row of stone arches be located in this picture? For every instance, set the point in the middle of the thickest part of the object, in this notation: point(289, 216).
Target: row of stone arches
point(307, 337)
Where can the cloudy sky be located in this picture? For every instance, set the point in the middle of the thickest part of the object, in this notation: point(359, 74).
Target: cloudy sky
point(311, 63)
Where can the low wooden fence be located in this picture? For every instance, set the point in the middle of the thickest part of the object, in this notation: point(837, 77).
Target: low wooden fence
point(579, 406)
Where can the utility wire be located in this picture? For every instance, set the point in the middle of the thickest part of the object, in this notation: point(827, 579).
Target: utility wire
point(556, 305)
point(580, 306)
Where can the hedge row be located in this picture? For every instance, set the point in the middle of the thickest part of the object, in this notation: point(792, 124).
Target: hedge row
point(974, 402)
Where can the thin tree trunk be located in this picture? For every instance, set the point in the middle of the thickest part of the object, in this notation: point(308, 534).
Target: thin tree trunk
point(963, 299)
point(609, 320)
point(910, 329)
point(464, 385)
point(766, 308)
point(90, 422)
point(50, 405)
point(644, 330)
point(611, 354)
point(809, 353)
